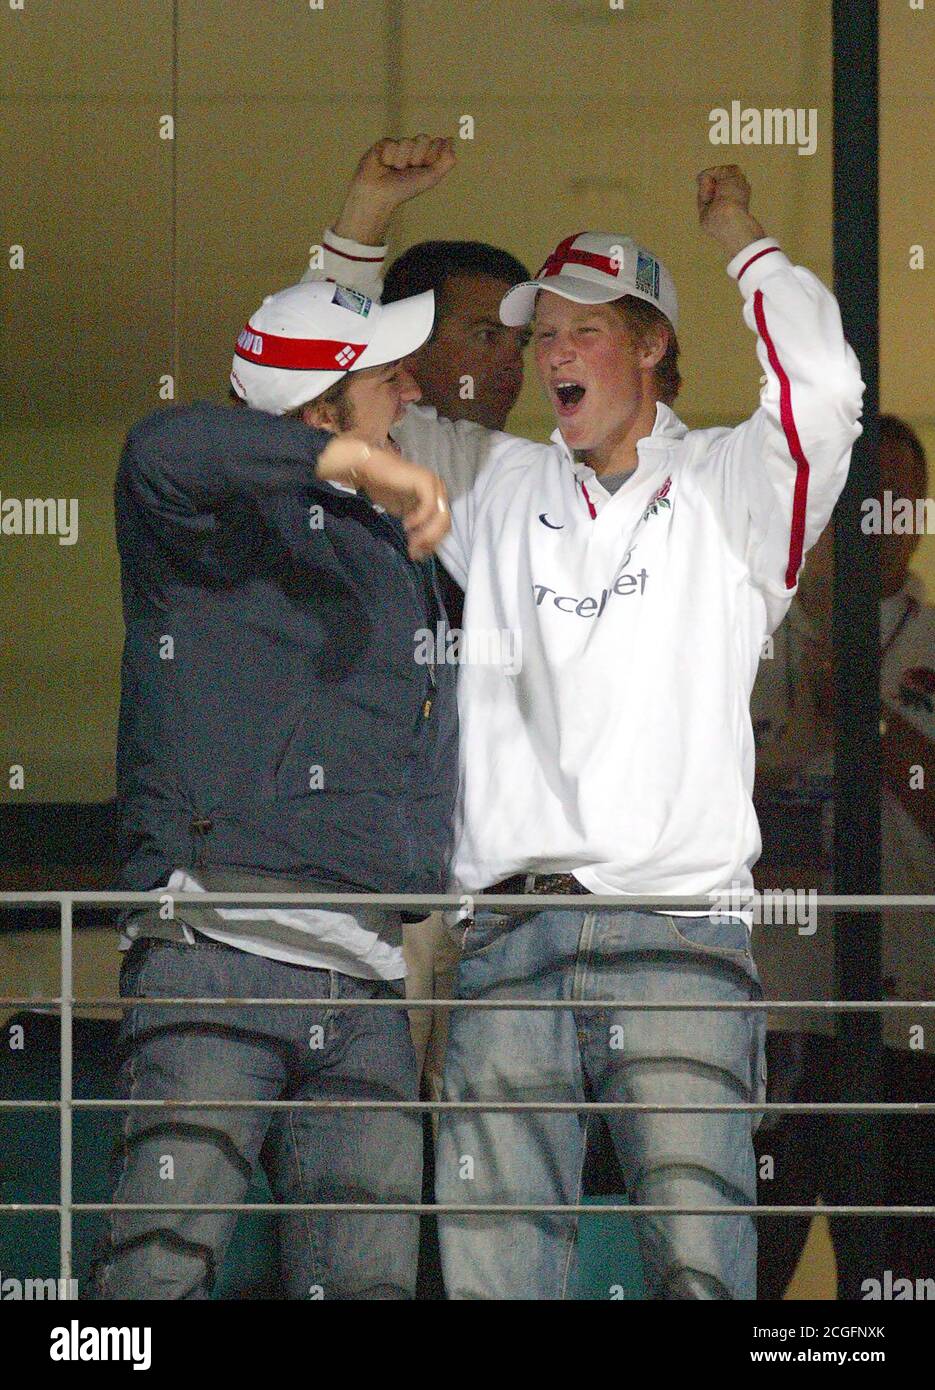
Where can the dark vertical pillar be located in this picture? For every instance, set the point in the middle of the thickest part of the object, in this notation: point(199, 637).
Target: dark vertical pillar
point(857, 633)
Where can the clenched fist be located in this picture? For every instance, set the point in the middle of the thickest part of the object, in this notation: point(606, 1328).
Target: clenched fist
point(400, 169)
point(391, 172)
point(723, 207)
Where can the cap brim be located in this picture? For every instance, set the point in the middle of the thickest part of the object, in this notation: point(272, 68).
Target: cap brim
point(518, 304)
point(403, 327)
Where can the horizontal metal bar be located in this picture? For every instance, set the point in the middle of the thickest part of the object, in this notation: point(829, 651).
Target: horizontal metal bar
point(604, 1005)
point(30, 1104)
point(505, 1107)
point(487, 1209)
point(521, 902)
point(14, 1208)
point(720, 901)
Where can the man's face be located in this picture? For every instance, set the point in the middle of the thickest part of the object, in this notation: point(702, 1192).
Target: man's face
point(376, 397)
point(593, 371)
point(900, 473)
point(470, 341)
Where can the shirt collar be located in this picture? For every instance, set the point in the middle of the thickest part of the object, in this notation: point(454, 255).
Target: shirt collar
point(667, 430)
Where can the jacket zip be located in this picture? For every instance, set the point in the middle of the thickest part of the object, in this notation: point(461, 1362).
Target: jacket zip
point(432, 613)
point(434, 616)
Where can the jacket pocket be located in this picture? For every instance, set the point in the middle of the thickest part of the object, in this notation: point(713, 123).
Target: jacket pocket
point(352, 741)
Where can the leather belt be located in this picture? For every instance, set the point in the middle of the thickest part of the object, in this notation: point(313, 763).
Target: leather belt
point(538, 883)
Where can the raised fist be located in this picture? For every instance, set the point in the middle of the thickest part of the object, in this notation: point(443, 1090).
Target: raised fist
point(724, 207)
point(721, 186)
point(396, 170)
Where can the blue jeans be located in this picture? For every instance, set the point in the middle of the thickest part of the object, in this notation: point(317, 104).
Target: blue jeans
point(691, 1057)
point(206, 1155)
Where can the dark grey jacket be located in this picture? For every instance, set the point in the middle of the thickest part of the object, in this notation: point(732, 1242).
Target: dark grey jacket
point(272, 714)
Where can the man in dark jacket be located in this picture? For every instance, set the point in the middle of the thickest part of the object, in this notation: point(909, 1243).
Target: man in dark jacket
point(277, 734)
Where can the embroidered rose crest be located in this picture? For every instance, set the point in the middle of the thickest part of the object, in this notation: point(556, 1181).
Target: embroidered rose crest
point(659, 499)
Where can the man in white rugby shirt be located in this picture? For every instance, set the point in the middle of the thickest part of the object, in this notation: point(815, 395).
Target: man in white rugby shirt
point(642, 564)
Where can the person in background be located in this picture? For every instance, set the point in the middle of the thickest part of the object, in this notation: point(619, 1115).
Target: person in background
point(470, 368)
point(793, 720)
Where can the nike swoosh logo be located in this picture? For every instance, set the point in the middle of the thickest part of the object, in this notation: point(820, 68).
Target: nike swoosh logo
point(551, 525)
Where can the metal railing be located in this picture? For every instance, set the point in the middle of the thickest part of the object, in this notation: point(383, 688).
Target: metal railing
point(65, 1002)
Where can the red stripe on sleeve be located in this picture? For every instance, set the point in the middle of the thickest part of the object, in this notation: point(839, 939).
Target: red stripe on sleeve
point(787, 417)
point(767, 250)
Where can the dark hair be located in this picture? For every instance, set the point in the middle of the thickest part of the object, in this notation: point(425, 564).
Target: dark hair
point(640, 316)
point(896, 431)
point(336, 396)
point(429, 265)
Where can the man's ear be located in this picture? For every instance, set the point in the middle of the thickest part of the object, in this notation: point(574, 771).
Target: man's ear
point(653, 344)
point(319, 416)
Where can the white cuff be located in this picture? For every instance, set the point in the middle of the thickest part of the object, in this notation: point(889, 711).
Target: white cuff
point(353, 250)
point(755, 262)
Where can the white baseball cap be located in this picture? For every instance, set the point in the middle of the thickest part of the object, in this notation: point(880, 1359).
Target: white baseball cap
point(595, 268)
point(304, 339)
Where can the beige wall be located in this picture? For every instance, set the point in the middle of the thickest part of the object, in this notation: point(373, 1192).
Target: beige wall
point(583, 116)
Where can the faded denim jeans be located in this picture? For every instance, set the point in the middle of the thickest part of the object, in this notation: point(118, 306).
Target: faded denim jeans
point(262, 1053)
point(658, 1057)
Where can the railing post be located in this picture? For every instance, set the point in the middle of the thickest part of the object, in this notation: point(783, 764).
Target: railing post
point(65, 1098)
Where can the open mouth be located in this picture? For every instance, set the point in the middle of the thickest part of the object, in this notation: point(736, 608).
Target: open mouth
point(569, 395)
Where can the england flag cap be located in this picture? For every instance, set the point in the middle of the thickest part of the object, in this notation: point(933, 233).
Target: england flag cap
point(595, 268)
point(305, 338)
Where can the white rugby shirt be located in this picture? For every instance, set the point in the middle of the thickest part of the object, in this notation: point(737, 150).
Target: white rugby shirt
point(622, 748)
